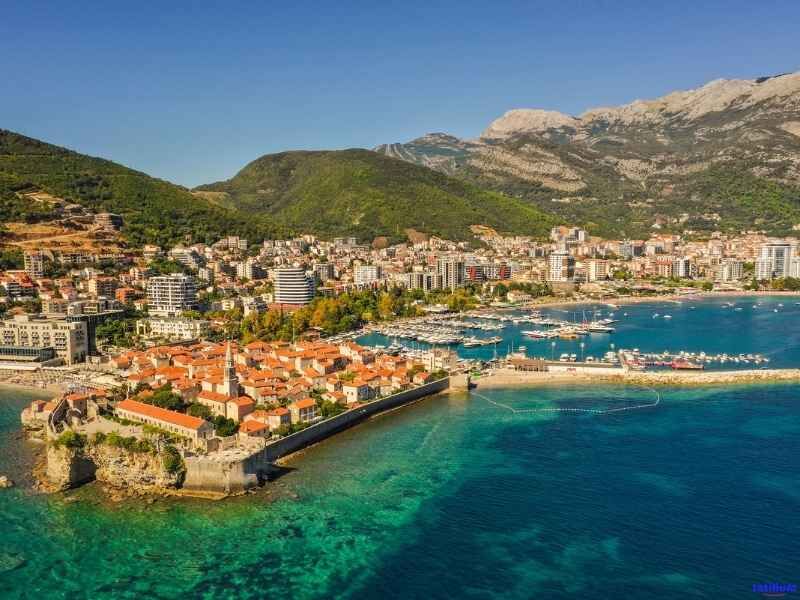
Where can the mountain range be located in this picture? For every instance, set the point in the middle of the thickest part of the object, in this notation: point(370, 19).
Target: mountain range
point(725, 155)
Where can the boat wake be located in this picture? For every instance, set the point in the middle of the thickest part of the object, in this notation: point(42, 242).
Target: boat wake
point(596, 411)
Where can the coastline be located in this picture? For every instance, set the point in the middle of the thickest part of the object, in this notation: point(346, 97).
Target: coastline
point(50, 388)
point(503, 378)
point(627, 300)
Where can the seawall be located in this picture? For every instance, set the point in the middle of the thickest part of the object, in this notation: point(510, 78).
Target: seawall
point(212, 475)
point(510, 378)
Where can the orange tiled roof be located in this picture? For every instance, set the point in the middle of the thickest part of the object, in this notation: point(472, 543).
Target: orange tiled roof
point(305, 403)
point(252, 426)
point(161, 414)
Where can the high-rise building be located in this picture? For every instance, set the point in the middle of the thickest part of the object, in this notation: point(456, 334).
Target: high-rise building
point(729, 269)
point(424, 280)
point(324, 271)
point(170, 295)
point(774, 260)
point(561, 266)
point(452, 270)
point(292, 286)
point(683, 268)
point(366, 274)
point(597, 270)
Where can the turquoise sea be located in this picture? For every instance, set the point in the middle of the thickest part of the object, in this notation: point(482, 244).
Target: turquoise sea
point(457, 496)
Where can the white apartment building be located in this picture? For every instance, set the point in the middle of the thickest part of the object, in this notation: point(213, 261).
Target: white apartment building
point(683, 268)
point(170, 295)
point(560, 266)
point(292, 286)
point(69, 339)
point(729, 270)
point(452, 270)
point(173, 328)
point(366, 274)
point(774, 260)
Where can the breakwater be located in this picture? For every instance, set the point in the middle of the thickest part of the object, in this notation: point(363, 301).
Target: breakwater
point(511, 378)
point(216, 475)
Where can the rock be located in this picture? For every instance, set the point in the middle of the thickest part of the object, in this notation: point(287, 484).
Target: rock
point(5, 482)
point(10, 561)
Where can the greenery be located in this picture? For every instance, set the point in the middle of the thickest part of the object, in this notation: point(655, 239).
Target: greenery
point(11, 258)
point(154, 211)
point(791, 284)
point(329, 315)
point(362, 193)
point(171, 459)
point(131, 444)
point(225, 426)
point(70, 439)
point(198, 410)
point(163, 266)
point(119, 331)
point(536, 290)
point(164, 397)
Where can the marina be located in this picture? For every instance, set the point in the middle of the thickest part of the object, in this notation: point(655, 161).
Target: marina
point(709, 333)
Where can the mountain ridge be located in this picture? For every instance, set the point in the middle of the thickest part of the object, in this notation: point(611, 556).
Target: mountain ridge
point(645, 165)
point(363, 193)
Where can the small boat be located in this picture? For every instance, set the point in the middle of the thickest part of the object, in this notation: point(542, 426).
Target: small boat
point(667, 316)
point(683, 364)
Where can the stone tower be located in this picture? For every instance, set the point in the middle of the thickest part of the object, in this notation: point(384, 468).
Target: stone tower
point(230, 382)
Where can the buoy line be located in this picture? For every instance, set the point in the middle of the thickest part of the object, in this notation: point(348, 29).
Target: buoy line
point(596, 411)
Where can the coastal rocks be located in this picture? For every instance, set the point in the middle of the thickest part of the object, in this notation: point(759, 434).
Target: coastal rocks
point(129, 472)
point(137, 472)
point(5, 482)
point(67, 468)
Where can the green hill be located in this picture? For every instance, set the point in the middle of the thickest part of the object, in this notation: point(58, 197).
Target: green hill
point(361, 193)
point(155, 211)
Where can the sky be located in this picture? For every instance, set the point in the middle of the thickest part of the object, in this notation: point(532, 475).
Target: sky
point(191, 92)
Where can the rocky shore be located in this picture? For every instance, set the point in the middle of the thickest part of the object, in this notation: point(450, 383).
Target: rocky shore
point(121, 472)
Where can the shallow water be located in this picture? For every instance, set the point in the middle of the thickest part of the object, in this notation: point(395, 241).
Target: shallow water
point(458, 497)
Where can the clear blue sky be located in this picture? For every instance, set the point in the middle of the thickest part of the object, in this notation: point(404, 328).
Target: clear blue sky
point(193, 93)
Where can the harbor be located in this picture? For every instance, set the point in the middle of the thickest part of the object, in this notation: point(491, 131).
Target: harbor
point(726, 333)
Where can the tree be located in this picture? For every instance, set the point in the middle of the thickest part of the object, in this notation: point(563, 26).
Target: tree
point(199, 410)
point(164, 397)
point(171, 459)
point(225, 427)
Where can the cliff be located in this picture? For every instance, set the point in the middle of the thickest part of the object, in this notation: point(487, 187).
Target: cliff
point(133, 472)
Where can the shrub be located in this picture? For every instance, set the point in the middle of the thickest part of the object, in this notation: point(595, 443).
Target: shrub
point(70, 439)
point(171, 459)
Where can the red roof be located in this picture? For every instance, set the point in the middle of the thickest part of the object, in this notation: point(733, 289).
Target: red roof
point(252, 426)
point(305, 403)
point(161, 414)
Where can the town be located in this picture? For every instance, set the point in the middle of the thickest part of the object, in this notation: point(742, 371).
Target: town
point(218, 351)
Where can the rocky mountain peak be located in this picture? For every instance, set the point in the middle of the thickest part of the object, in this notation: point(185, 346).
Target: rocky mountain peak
point(528, 120)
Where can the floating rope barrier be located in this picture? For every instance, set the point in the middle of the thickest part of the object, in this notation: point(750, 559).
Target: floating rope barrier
point(596, 411)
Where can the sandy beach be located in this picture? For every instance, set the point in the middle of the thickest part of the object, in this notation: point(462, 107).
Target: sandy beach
point(510, 378)
point(14, 384)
